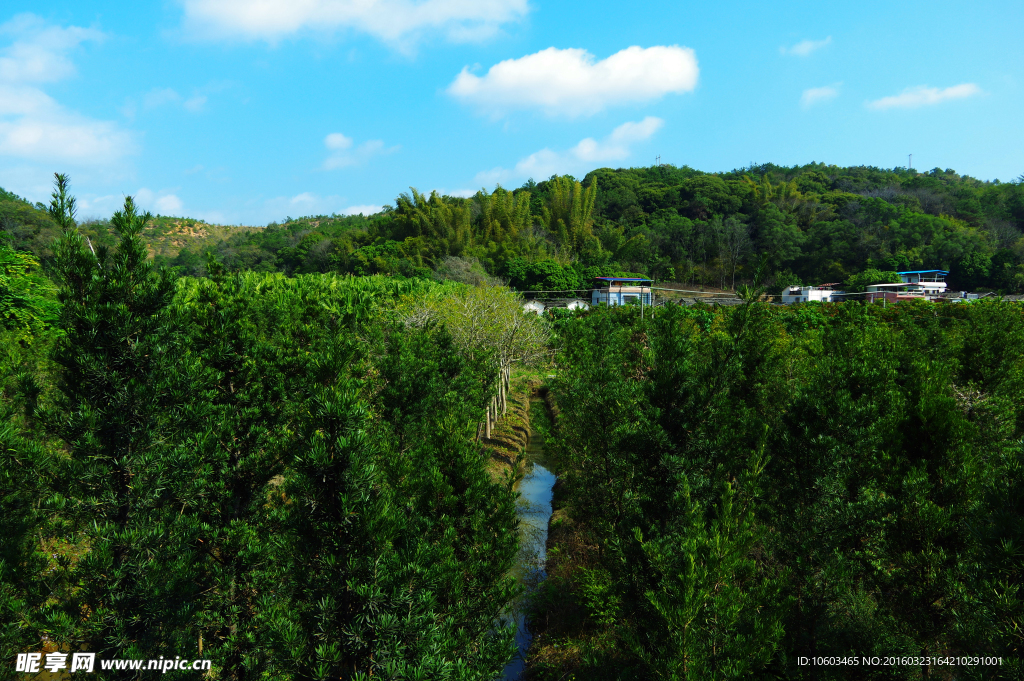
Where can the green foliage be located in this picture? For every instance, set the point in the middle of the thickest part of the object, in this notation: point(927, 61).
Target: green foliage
point(28, 227)
point(763, 483)
point(569, 213)
point(815, 223)
point(279, 468)
point(27, 298)
point(542, 275)
point(24, 474)
point(859, 282)
point(274, 473)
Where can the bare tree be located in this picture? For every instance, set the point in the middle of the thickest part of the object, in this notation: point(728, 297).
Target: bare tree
point(736, 243)
point(488, 319)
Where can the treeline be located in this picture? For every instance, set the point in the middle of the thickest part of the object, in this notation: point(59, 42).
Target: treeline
point(277, 474)
point(803, 224)
point(808, 224)
point(747, 486)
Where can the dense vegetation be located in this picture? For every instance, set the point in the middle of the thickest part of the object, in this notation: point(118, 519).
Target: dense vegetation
point(745, 486)
point(281, 470)
point(810, 224)
point(279, 474)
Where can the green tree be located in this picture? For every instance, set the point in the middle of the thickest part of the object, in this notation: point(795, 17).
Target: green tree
point(503, 214)
point(859, 282)
point(25, 472)
point(106, 416)
point(27, 298)
point(569, 212)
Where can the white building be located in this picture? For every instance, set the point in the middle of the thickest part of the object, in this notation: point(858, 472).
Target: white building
point(929, 282)
point(917, 284)
point(806, 294)
point(622, 291)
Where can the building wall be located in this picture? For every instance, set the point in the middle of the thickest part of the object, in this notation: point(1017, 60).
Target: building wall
point(614, 296)
point(807, 294)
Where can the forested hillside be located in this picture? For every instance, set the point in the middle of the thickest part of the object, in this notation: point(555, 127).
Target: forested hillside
point(30, 228)
point(810, 224)
point(807, 224)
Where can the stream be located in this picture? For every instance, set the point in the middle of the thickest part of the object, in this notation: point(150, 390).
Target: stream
point(534, 511)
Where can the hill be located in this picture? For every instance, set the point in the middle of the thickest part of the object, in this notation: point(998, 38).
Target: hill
point(30, 228)
point(802, 224)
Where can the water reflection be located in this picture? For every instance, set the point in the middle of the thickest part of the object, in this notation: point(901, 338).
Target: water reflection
point(534, 510)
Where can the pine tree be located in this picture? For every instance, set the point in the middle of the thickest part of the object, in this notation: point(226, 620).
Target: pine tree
point(24, 478)
point(105, 414)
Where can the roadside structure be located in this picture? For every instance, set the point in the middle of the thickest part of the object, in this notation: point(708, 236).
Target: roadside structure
point(915, 285)
point(823, 293)
point(931, 282)
point(622, 291)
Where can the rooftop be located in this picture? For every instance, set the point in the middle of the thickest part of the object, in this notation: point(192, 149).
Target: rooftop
point(924, 272)
point(905, 285)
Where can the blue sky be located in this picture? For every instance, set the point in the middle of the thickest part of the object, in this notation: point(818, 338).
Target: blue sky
point(248, 111)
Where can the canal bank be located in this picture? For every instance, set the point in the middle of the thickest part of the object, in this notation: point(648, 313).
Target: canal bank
point(534, 509)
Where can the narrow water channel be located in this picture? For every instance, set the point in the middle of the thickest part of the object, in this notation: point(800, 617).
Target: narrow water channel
point(535, 490)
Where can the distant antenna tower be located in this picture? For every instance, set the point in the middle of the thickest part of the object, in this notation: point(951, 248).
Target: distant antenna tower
point(910, 161)
point(657, 160)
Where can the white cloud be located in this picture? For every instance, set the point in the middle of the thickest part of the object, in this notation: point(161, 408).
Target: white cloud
point(815, 95)
point(805, 47)
point(304, 203)
point(571, 83)
point(304, 199)
point(162, 202)
point(393, 21)
point(582, 157)
point(160, 96)
point(924, 96)
point(167, 205)
point(100, 207)
point(33, 125)
point(195, 104)
point(364, 210)
point(60, 136)
point(337, 141)
point(37, 54)
point(343, 155)
point(22, 100)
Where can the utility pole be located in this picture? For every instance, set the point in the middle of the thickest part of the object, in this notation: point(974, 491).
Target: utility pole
point(657, 160)
point(910, 161)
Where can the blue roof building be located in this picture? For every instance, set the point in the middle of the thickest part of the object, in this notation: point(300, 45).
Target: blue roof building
point(622, 291)
point(931, 282)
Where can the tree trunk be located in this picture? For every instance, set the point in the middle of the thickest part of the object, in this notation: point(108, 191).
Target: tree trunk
point(503, 381)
